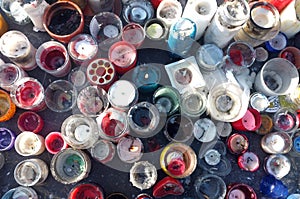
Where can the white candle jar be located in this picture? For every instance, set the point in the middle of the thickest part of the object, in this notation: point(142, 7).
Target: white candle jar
point(169, 11)
point(28, 143)
point(290, 19)
point(263, 25)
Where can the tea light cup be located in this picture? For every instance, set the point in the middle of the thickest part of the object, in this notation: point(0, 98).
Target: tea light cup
point(86, 190)
point(138, 11)
point(130, 149)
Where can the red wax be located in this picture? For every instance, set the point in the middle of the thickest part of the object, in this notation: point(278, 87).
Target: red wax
point(251, 121)
point(86, 191)
point(30, 121)
point(53, 57)
point(108, 125)
point(28, 93)
point(279, 4)
point(236, 57)
point(155, 3)
point(176, 167)
point(54, 142)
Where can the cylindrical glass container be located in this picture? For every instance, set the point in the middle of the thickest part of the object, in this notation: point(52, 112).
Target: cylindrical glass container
point(19, 192)
point(276, 143)
point(204, 130)
point(101, 5)
point(53, 58)
point(13, 9)
point(143, 175)
point(292, 54)
point(134, 34)
point(28, 143)
point(156, 29)
point(30, 121)
point(228, 20)
point(193, 103)
point(7, 107)
point(285, 119)
point(31, 172)
point(272, 187)
point(86, 190)
point(54, 142)
point(290, 19)
point(263, 25)
point(112, 124)
point(103, 151)
point(130, 149)
point(169, 11)
point(249, 161)
point(138, 11)
point(28, 93)
point(237, 143)
point(7, 139)
point(277, 165)
point(251, 121)
point(3, 25)
point(211, 186)
point(70, 166)
point(208, 57)
point(79, 131)
point(16, 46)
point(9, 75)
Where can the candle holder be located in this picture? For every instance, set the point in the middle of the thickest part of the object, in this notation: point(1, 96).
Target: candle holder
point(79, 132)
point(237, 143)
point(193, 103)
point(9, 75)
point(70, 166)
point(276, 143)
point(169, 11)
point(54, 142)
point(251, 121)
point(28, 94)
point(143, 175)
point(53, 58)
point(78, 77)
point(249, 161)
point(277, 77)
point(259, 101)
point(266, 125)
point(14, 11)
point(123, 56)
point(31, 172)
point(60, 96)
point(210, 185)
point(92, 101)
point(103, 151)
point(112, 124)
point(208, 57)
point(143, 196)
point(82, 48)
point(156, 30)
point(3, 25)
point(130, 149)
point(86, 190)
point(289, 19)
point(18, 49)
point(7, 108)
point(138, 11)
point(30, 121)
point(21, 191)
point(63, 20)
point(269, 184)
point(277, 165)
point(174, 151)
point(106, 29)
point(286, 119)
point(134, 34)
point(292, 54)
point(116, 196)
point(204, 130)
point(7, 139)
point(28, 143)
point(240, 190)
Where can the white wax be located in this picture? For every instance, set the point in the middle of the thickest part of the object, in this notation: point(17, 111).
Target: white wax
point(82, 133)
point(14, 45)
point(17, 11)
point(35, 11)
point(169, 11)
point(263, 17)
point(122, 93)
point(85, 49)
point(290, 19)
point(276, 142)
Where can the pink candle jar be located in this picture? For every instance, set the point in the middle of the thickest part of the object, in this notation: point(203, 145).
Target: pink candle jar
point(82, 47)
point(54, 142)
point(134, 34)
point(53, 58)
point(9, 75)
point(123, 55)
point(30, 121)
point(101, 72)
point(28, 94)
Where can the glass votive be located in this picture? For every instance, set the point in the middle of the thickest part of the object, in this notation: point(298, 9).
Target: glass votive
point(7, 139)
point(167, 99)
point(204, 130)
point(143, 196)
point(13, 9)
point(101, 72)
point(208, 57)
point(70, 166)
point(28, 93)
point(7, 107)
point(31, 172)
point(169, 11)
point(18, 49)
point(112, 124)
point(178, 128)
point(277, 165)
point(178, 160)
point(123, 55)
point(174, 187)
point(130, 149)
point(240, 190)
point(143, 175)
point(193, 103)
point(86, 190)
point(53, 58)
point(103, 151)
point(106, 29)
point(9, 75)
point(79, 131)
point(92, 101)
point(21, 191)
point(78, 77)
point(292, 54)
point(81, 48)
point(30, 121)
point(138, 11)
point(54, 142)
point(28, 143)
point(285, 119)
point(276, 143)
point(60, 96)
point(63, 20)
point(237, 143)
point(156, 29)
point(134, 34)
point(144, 119)
point(259, 101)
point(211, 186)
point(123, 94)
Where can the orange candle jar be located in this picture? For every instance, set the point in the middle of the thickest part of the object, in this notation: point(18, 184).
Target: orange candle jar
point(3, 25)
point(7, 107)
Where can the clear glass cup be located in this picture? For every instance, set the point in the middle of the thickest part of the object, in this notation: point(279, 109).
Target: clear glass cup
point(54, 142)
point(138, 11)
point(156, 29)
point(21, 191)
point(7, 139)
point(30, 121)
point(211, 186)
point(103, 151)
point(9, 75)
point(208, 57)
point(130, 149)
point(143, 175)
point(286, 119)
point(134, 34)
point(276, 143)
point(193, 103)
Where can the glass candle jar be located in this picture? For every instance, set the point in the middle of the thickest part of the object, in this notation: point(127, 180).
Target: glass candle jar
point(237, 143)
point(169, 11)
point(7, 107)
point(211, 186)
point(251, 121)
point(263, 25)
point(272, 187)
point(193, 103)
point(30, 121)
point(130, 149)
point(28, 143)
point(277, 165)
point(276, 143)
point(16, 46)
point(134, 34)
point(138, 11)
point(156, 29)
point(292, 54)
point(31, 172)
point(70, 166)
point(204, 130)
point(78, 77)
point(101, 6)
point(249, 161)
point(79, 131)
point(21, 191)
point(289, 18)
point(7, 139)
point(240, 190)
point(143, 175)
point(103, 151)
point(9, 75)
point(54, 142)
point(285, 119)
point(208, 57)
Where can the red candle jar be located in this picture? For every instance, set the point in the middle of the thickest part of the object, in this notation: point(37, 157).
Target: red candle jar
point(29, 94)
point(30, 121)
point(237, 143)
point(123, 55)
point(292, 54)
point(251, 121)
point(7, 107)
point(101, 72)
point(279, 4)
point(86, 190)
point(54, 142)
point(240, 190)
point(248, 161)
point(155, 3)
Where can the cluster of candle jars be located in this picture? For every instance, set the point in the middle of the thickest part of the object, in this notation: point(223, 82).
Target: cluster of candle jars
point(110, 120)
